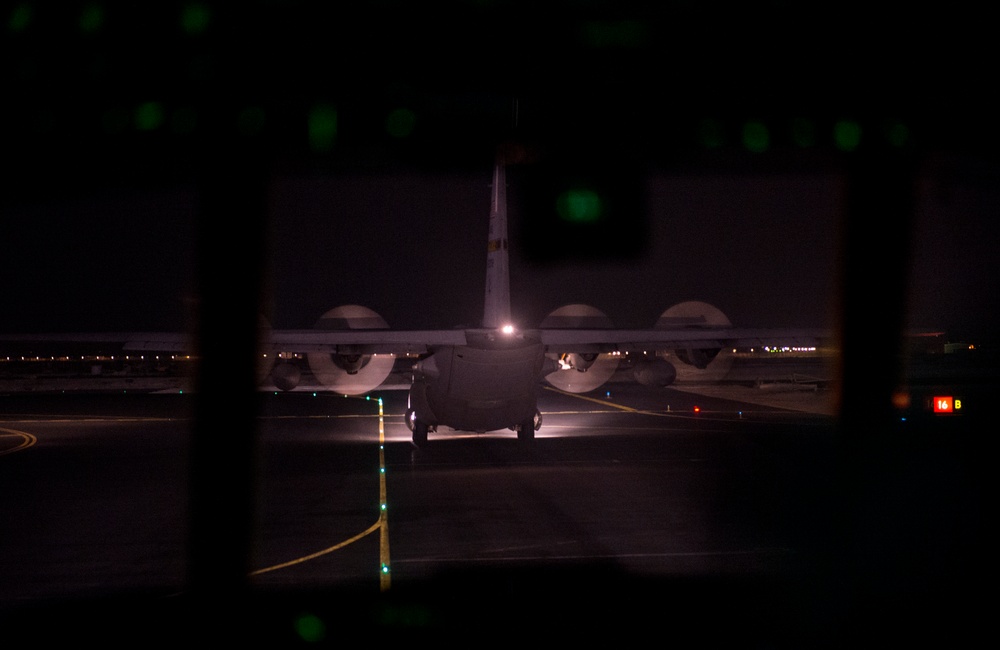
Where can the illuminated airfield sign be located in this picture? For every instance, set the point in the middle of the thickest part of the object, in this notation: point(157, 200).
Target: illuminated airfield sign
point(947, 404)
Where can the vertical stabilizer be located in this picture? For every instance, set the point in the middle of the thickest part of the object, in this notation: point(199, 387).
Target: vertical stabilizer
point(496, 311)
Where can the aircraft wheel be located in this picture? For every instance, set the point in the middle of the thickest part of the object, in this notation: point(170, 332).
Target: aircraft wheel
point(527, 430)
point(419, 433)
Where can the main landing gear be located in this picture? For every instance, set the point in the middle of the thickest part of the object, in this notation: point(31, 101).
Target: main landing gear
point(420, 433)
point(526, 430)
point(418, 428)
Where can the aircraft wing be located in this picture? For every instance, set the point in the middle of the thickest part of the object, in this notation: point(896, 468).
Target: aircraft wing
point(624, 340)
point(399, 342)
point(388, 341)
point(158, 341)
point(381, 341)
point(374, 341)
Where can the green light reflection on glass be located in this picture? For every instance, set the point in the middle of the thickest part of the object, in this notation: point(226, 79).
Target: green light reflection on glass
point(149, 116)
point(898, 134)
point(579, 206)
point(91, 19)
point(322, 127)
point(310, 628)
point(250, 121)
point(710, 133)
point(803, 132)
point(400, 123)
point(20, 18)
point(847, 135)
point(195, 17)
point(756, 137)
point(184, 120)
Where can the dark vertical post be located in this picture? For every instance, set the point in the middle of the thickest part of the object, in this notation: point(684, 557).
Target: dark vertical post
point(875, 268)
point(231, 229)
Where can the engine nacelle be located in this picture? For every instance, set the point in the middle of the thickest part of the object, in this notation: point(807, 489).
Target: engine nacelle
point(581, 361)
point(692, 363)
point(350, 371)
point(697, 357)
point(286, 376)
point(658, 373)
point(579, 371)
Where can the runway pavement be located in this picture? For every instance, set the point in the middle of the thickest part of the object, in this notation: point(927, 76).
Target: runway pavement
point(632, 513)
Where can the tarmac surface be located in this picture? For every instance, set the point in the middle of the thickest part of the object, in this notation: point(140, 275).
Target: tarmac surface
point(634, 512)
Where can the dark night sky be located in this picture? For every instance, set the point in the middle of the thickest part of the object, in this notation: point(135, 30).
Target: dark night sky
point(762, 247)
point(98, 222)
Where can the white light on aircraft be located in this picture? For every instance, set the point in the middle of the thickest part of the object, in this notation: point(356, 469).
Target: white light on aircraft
point(507, 329)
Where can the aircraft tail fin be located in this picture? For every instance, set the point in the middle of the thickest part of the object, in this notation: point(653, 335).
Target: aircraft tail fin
point(496, 312)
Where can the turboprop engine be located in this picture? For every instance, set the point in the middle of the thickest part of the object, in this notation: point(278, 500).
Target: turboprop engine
point(286, 375)
point(704, 362)
point(654, 371)
point(349, 370)
point(580, 371)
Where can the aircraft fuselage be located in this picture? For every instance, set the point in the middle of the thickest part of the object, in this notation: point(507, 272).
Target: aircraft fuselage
point(490, 384)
